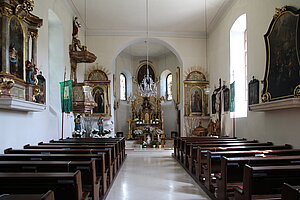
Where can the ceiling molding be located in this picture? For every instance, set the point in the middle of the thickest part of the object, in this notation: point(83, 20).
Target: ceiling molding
point(93, 32)
point(221, 13)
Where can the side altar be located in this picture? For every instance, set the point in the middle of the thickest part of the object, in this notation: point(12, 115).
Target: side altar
point(146, 121)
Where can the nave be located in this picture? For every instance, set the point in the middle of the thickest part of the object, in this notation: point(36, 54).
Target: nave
point(151, 175)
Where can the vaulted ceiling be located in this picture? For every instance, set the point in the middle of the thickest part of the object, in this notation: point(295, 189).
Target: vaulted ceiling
point(180, 18)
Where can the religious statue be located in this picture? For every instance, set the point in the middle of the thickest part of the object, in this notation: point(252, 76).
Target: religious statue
point(210, 127)
point(148, 139)
point(37, 96)
point(77, 121)
point(75, 41)
point(31, 73)
point(100, 124)
point(13, 58)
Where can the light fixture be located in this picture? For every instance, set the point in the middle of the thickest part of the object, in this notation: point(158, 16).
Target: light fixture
point(147, 87)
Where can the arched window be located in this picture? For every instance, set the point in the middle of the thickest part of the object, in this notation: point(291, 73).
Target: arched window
point(169, 87)
point(123, 87)
point(238, 66)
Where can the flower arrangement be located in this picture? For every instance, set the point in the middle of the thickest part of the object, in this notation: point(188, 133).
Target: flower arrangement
point(158, 131)
point(138, 132)
point(78, 134)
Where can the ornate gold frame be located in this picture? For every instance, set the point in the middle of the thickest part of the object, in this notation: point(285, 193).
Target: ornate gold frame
point(266, 94)
point(189, 84)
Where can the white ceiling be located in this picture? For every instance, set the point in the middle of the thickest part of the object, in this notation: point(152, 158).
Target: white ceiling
point(181, 18)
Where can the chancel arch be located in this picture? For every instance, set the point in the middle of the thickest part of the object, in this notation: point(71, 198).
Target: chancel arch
point(133, 59)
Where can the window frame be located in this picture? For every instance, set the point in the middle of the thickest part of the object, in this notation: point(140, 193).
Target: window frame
point(122, 74)
point(167, 94)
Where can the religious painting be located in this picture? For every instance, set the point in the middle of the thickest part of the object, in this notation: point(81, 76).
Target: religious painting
point(253, 92)
point(282, 75)
point(99, 98)
point(100, 84)
point(16, 48)
point(142, 72)
point(226, 99)
point(196, 100)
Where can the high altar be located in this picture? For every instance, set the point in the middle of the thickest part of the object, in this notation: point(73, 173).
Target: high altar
point(147, 119)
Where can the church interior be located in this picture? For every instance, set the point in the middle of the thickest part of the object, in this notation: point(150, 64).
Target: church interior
point(198, 94)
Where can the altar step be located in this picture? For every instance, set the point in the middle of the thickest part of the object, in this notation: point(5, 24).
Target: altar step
point(134, 145)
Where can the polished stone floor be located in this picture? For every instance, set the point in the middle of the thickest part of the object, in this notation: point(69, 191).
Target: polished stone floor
point(153, 174)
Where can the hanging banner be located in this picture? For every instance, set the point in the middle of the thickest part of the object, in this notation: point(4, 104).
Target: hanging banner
point(66, 96)
point(232, 97)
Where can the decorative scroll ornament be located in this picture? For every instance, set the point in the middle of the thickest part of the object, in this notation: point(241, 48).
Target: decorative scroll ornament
point(22, 10)
point(297, 91)
point(279, 11)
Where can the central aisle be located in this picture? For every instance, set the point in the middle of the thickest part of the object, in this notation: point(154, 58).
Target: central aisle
point(149, 175)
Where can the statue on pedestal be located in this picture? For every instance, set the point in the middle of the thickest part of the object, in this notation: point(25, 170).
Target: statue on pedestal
point(100, 125)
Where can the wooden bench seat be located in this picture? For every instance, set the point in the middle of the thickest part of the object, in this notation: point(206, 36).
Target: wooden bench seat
point(262, 181)
point(203, 151)
point(120, 150)
point(106, 152)
point(47, 196)
point(213, 160)
point(232, 170)
point(65, 185)
point(90, 182)
point(67, 146)
point(99, 161)
point(290, 192)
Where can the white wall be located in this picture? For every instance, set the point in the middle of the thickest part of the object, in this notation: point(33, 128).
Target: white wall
point(191, 52)
point(277, 126)
point(130, 64)
point(20, 128)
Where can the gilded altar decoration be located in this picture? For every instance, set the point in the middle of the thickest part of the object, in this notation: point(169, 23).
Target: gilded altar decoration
point(196, 100)
point(282, 74)
point(100, 91)
point(18, 57)
point(147, 118)
point(5, 86)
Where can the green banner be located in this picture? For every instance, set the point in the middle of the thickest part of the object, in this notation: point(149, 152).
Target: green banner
point(66, 96)
point(232, 97)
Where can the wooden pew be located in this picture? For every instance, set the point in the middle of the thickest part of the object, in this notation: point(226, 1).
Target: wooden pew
point(232, 170)
point(106, 152)
point(203, 151)
point(90, 182)
point(48, 196)
point(119, 141)
point(182, 144)
point(67, 146)
point(213, 160)
point(266, 181)
point(190, 152)
point(65, 185)
point(99, 161)
point(179, 142)
point(119, 148)
point(290, 192)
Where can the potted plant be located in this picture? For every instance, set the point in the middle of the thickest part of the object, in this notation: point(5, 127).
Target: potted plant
point(141, 144)
point(154, 143)
point(164, 143)
point(159, 145)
